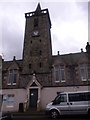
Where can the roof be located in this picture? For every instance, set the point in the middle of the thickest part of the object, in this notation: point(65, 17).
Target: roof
point(6, 64)
point(70, 59)
point(38, 9)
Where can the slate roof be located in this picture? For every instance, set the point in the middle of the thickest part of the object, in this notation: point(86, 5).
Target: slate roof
point(6, 64)
point(70, 59)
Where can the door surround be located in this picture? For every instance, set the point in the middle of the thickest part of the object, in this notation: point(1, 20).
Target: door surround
point(34, 84)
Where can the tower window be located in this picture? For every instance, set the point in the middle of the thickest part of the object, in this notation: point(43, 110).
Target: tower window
point(40, 64)
point(30, 66)
point(30, 53)
point(40, 52)
point(35, 22)
point(40, 40)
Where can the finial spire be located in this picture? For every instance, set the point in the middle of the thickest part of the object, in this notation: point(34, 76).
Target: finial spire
point(38, 9)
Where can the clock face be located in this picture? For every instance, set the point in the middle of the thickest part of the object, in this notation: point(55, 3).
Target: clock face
point(36, 33)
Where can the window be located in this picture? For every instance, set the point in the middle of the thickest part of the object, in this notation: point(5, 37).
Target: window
point(15, 76)
point(1, 99)
point(30, 66)
point(88, 71)
point(35, 22)
point(62, 71)
point(40, 64)
point(83, 72)
point(10, 101)
point(56, 73)
point(63, 98)
point(30, 53)
point(79, 97)
point(60, 98)
point(12, 78)
point(40, 40)
point(40, 52)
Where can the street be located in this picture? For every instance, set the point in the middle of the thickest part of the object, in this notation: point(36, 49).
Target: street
point(47, 118)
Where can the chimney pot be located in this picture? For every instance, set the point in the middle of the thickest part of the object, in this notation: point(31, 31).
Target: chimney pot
point(58, 53)
point(14, 57)
point(81, 50)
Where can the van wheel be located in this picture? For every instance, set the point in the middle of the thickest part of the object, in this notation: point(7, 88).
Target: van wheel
point(54, 114)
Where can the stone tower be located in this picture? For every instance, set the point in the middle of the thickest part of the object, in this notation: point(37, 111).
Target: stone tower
point(37, 52)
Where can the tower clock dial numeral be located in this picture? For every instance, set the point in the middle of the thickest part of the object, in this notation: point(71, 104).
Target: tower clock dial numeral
point(35, 33)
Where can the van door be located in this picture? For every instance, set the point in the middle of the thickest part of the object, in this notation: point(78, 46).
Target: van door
point(63, 106)
point(77, 103)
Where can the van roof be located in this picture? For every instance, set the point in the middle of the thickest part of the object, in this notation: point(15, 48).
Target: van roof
point(73, 92)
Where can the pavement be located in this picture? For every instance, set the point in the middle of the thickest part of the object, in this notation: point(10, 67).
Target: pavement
point(29, 113)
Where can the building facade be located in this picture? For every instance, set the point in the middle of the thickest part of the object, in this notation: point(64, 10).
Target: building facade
point(37, 78)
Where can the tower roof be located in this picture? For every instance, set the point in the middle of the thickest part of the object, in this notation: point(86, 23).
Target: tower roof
point(38, 9)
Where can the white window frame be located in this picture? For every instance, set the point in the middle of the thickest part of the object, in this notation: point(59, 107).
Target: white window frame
point(14, 73)
point(83, 67)
point(11, 77)
point(10, 100)
point(59, 69)
point(56, 69)
point(88, 67)
point(62, 68)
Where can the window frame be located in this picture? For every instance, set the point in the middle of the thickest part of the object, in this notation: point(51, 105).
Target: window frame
point(79, 97)
point(10, 100)
point(62, 69)
point(12, 77)
point(58, 73)
point(83, 67)
point(88, 71)
point(86, 66)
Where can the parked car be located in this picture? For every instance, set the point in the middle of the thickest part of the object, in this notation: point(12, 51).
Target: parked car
point(67, 103)
point(5, 116)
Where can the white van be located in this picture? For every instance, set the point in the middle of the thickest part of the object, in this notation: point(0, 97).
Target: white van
point(67, 103)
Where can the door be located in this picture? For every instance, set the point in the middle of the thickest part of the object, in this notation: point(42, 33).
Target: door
point(61, 103)
point(33, 98)
point(78, 103)
point(64, 106)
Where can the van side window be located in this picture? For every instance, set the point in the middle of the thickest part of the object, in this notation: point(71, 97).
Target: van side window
point(79, 97)
point(63, 98)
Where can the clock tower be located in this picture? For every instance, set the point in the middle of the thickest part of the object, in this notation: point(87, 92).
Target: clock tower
point(37, 52)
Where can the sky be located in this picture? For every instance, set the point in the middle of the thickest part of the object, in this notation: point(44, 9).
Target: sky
point(69, 31)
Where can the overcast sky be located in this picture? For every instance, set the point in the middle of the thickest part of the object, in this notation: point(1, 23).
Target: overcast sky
point(69, 30)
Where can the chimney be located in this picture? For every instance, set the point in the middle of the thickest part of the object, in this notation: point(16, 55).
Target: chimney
point(14, 58)
point(81, 49)
point(58, 53)
point(88, 48)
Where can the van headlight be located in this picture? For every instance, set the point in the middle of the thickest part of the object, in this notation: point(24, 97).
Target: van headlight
point(48, 105)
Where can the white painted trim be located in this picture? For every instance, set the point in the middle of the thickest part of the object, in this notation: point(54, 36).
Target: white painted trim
point(14, 84)
point(9, 106)
point(63, 81)
point(57, 81)
point(9, 84)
